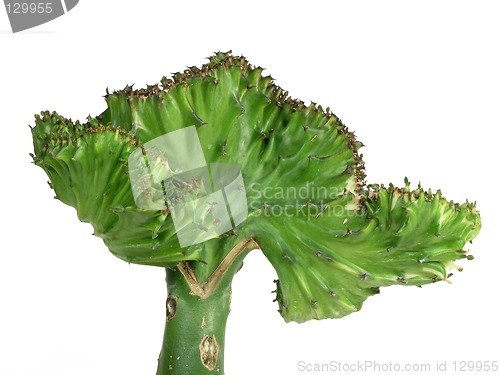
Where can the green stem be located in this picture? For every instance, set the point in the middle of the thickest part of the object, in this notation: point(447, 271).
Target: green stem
point(193, 342)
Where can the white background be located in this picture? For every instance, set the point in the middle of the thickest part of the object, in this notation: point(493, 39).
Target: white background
point(419, 82)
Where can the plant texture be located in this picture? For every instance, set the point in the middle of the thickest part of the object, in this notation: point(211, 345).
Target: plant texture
point(332, 240)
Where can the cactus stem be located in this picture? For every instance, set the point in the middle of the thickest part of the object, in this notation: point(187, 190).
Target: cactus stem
point(190, 348)
point(205, 290)
point(196, 315)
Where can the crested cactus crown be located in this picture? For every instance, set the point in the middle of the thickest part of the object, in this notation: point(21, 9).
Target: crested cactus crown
point(333, 240)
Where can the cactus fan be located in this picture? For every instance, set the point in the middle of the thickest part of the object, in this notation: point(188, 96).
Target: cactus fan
point(194, 172)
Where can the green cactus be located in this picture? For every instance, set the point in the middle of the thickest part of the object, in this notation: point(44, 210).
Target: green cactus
point(333, 240)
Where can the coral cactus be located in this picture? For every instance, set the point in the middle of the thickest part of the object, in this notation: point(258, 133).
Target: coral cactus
point(332, 239)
